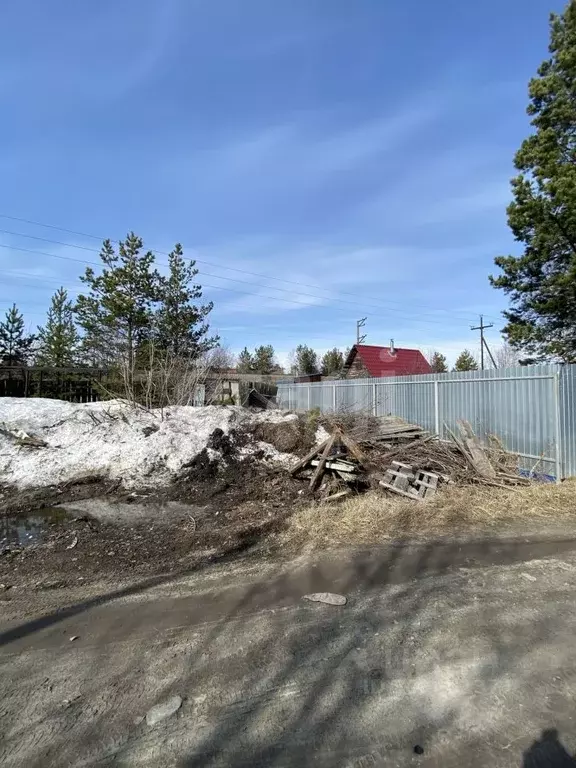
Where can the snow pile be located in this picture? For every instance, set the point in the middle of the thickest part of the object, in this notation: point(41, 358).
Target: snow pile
point(111, 439)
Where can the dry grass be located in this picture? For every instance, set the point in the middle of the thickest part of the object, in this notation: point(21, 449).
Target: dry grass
point(373, 517)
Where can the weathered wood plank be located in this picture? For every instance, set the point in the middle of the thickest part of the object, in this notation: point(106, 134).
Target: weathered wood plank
point(317, 476)
point(402, 493)
point(353, 447)
point(343, 466)
point(479, 459)
point(339, 495)
point(309, 456)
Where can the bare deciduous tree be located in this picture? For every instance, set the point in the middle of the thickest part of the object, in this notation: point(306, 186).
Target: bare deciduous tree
point(506, 356)
point(221, 359)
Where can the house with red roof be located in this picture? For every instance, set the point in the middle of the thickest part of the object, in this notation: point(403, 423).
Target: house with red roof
point(366, 361)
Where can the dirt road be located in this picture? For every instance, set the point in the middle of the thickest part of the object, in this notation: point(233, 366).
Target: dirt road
point(463, 650)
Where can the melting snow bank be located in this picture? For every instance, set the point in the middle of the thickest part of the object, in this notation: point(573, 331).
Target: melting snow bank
point(113, 440)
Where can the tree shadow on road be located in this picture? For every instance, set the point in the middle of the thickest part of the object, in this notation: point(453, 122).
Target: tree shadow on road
point(270, 680)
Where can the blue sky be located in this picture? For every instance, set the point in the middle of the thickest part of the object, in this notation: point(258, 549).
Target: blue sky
point(357, 152)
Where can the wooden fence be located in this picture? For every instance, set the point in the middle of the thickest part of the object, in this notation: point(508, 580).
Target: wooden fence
point(77, 385)
point(87, 385)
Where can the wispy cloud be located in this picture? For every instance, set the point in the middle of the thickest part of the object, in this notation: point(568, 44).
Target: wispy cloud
point(77, 65)
point(447, 185)
point(306, 149)
point(490, 196)
point(372, 279)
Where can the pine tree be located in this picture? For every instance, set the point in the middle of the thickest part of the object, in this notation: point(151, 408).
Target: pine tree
point(332, 362)
point(438, 362)
point(58, 339)
point(541, 283)
point(306, 360)
point(466, 362)
point(245, 362)
point(180, 324)
point(264, 360)
point(15, 346)
point(117, 312)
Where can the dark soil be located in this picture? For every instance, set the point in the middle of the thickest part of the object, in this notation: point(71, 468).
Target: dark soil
point(235, 504)
point(13, 501)
point(297, 437)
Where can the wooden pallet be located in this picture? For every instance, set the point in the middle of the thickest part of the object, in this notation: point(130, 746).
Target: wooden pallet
point(402, 479)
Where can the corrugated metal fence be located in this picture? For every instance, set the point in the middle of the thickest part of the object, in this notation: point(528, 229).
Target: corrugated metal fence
point(532, 409)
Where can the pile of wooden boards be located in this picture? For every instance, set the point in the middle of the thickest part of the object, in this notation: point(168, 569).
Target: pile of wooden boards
point(395, 434)
point(403, 459)
point(479, 460)
point(340, 455)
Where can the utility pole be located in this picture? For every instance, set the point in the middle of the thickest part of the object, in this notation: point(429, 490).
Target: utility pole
point(483, 343)
point(490, 353)
point(360, 324)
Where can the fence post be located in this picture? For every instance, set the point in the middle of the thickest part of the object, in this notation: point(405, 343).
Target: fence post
point(437, 407)
point(309, 388)
point(558, 423)
point(374, 400)
point(334, 398)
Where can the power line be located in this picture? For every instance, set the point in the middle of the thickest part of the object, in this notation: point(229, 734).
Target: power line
point(52, 255)
point(223, 277)
point(408, 318)
point(200, 261)
point(257, 333)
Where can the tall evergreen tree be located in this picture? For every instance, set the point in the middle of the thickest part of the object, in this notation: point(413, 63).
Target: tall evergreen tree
point(438, 362)
point(265, 360)
point(541, 283)
point(58, 339)
point(466, 362)
point(117, 312)
point(306, 360)
point(15, 345)
point(332, 362)
point(245, 361)
point(181, 325)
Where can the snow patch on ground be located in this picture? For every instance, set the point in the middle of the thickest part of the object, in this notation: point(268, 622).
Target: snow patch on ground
point(114, 440)
point(271, 455)
point(322, 434)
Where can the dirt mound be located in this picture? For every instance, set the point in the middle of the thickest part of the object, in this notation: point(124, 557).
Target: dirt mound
point(219, 441)
point(234, 496)
point(296, 437)
point(235, 482)
point(284, 437)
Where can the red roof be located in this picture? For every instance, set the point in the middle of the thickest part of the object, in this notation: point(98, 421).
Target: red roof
point(380, 361)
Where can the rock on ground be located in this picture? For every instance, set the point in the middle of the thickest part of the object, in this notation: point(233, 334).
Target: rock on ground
point(162, 711)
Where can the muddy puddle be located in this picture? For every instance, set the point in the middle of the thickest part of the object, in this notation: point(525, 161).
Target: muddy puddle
point(106, 510)
point(23, 530)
